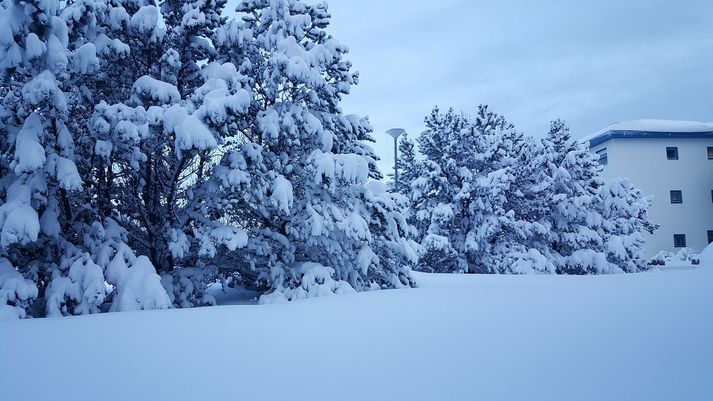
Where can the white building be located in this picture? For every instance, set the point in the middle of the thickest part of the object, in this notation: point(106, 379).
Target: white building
point(673, 162)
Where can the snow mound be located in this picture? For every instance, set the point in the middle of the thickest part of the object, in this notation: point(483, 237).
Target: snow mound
point(706, 257)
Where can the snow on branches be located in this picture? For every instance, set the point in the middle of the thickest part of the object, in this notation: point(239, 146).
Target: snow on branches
point(151, 149)
point(489, 199)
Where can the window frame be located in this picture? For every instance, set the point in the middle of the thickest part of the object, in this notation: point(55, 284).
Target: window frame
point(679, 239)
point(710, 236)
point(709, 151)
point(603, 156)
point(673, 149)
point(680, 196)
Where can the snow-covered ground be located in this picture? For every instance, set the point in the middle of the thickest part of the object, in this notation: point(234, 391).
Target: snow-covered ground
point(646, 336)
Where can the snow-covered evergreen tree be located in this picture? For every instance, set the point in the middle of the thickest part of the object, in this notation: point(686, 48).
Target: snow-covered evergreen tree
point(595, 227)
point(526, 201)
point(574, 243)
point(462, 201)
point(145, 143)
point(40, 218)
point(297, 179)
point(156, 133)
point(16, 292)
point(625, 222)
point(157, 147)
point(142, 148)
point(435, 191)
point(493, 200)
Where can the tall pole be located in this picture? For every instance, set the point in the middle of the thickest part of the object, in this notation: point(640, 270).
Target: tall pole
point(396, 165)
point(396, 133)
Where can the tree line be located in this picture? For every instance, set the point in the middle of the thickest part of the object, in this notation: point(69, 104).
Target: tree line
point(486, 198)
point(149, 149)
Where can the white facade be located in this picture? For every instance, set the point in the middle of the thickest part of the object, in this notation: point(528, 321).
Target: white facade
point(638, 150)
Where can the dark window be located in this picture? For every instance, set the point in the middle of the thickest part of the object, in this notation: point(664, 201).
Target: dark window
point(672, 153)
point(602, 153)
point(679, 240)
point(710, 153)
point(710, 236)
point(711, 195)
point(676, 197)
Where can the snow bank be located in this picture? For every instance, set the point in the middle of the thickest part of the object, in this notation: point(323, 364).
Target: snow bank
point(706, 257)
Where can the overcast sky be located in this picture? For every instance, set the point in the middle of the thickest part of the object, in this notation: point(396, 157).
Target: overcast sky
point(590, 63)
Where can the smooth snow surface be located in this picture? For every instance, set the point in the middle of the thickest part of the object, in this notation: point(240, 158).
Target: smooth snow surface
point(645, 336)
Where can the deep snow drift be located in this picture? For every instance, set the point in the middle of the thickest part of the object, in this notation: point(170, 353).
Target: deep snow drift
point(645, 336)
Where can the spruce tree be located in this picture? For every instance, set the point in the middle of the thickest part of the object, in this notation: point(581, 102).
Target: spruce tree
point(595, 227)
point(461, 200)
point(297, 179)
point(164, 137)
point(625, 223)
point(39, 229)
point(576, 178)
point(434, 193)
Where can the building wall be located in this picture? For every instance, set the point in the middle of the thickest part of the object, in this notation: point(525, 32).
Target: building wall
point(644, 162)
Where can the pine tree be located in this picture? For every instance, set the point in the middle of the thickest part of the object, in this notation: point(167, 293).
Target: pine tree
point(524, 244)
point(296, 181)
point(495, 201)
point(575, 174)
point(625, 222)
point(144, 151)
point(434, 193)
point(189, 26)
point(40, 233)
point(164, 137)
point(596, 227)
point(461, 199)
